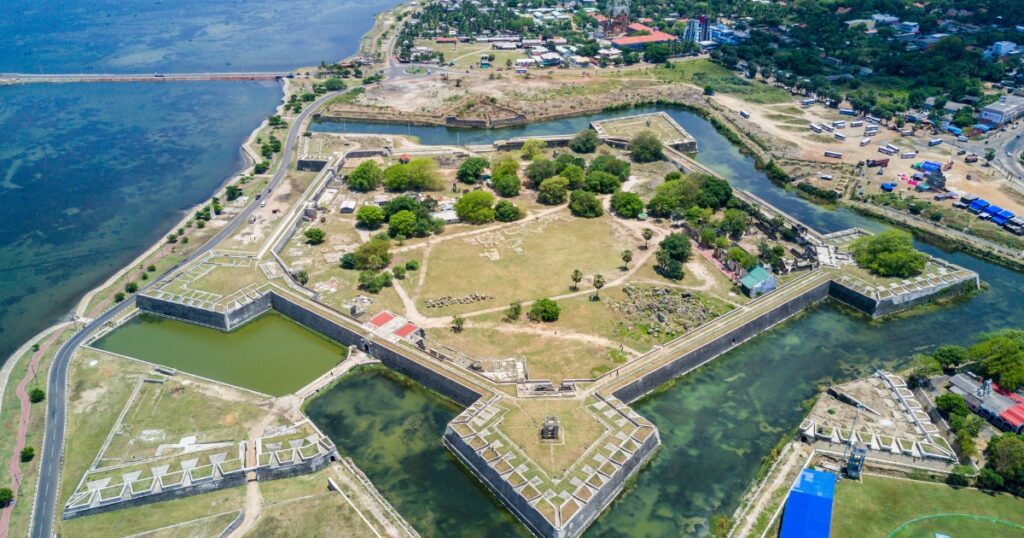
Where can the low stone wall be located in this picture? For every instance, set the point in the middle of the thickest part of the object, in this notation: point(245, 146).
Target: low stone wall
point(191, 314)
point(311, 465)
point(229, 481)
point(652, 380)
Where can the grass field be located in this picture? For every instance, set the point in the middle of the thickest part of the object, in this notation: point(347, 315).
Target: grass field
point(547, 254)
point(702, 72)
point(879, 506)
point(324, 514)
point(632, 126)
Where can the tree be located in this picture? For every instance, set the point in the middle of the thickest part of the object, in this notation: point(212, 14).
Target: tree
point(950, 356)
point(990, 154)
point(36, 395)
point(370, 217)
point(366, 177)
point(458, 322)
point(950, 404)
point(584, 142)
point(475, 207)
point(471, 169)
point(402, 223)
point(585, 204)
point(27, 454)
point(627, 205)
point(533, 148)
point(541, 169)
point(553, 191)
point(505, 211)
point(118, 297)
point(734, 222)
point(657, 53)
point(888, 254)
point(6, 496)
point(612, 165)
point(646, 147)
point(372, 255)
point(598, 284)
point(647, 234)
point(373, 281)
point(713, 193)
point(506, 184)
point(673, 252)
point(1005, 456)
point(673, 198)
point(1000, 356)
point(131, 287)
point(577, 277)
point(232, 192)
point(601, 182)
point(315, 236)
point(627, 256)
point(544, 310)
point(515, 309)
point(398, 272)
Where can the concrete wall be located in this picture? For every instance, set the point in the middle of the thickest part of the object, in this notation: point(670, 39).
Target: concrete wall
point(898, 303)
point(247, 312)
point(723, 343)
point(229, 481)
point(286, 471)
point(191, 314)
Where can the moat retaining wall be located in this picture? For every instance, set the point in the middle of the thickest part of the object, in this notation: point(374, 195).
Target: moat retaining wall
point(902, 301)
point(229, 481)
point(654, 379)
point(530, 516)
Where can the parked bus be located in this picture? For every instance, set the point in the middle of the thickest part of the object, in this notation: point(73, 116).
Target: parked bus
point(840, 136)
point(834, 154)
point(744, 114)
point(857, 123)
point(934, 142)
point(815, 128)
point(865, 142)
point(839, 124)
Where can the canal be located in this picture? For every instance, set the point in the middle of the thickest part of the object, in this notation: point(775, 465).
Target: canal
point(717, 423)
point(271, 354)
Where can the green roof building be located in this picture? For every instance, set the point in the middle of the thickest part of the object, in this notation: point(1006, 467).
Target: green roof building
point(758, 282)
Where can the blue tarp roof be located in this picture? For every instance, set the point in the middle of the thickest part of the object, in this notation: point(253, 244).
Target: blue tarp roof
point(979, 204)
point(1006, 214)
point(982, 127)
point(888, 186)
point(808, 512)
point(992, 210)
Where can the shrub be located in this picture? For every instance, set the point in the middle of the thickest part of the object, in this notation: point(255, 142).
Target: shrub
point(372, 255)
point(713, 193)
point(506, 211)
point(370, 217)
point(601, 182)
point(574, 175)
point(412, 265)
point(27, 454)
point(373, 282)
point(506, 184)
point(544, 310)
point(515, 309)
point(419, 174)
point(532, 148)
point(674, 198)
point(585, 142)
point(398, 272)
point(315, 236)
point(627, 204)
point(553, 191)
point(471, 169)
point(608, 163)
point(118, 297)
point(475, 207)
point(585, 204)
point(131, 287)
point(301, 276)
point(6, 496)
point(366, 177)
point(36, 395)
point(541, 169)
point(646, 147)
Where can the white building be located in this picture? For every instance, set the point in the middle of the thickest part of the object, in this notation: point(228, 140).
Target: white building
point(1008, 108)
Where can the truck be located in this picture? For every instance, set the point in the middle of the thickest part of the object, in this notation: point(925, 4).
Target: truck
point(877, 162)
point(971, 158)
point(934, 142)
point(744, 114)
point(834, 154)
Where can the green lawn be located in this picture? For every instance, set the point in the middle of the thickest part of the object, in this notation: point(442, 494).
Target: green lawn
point(701, 72)
point(879, 506)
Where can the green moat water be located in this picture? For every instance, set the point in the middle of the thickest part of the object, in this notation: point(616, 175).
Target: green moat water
point(271, 354)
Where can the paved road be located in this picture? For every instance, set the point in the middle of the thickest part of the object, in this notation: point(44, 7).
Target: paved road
point(53, 441)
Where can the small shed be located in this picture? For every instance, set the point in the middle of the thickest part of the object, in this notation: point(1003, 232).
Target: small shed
point(758, 282)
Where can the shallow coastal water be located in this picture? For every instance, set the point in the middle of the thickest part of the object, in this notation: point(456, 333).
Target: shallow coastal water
point(93, 174)
point(271, 354)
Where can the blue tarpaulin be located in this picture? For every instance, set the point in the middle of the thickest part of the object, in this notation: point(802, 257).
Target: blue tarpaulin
point(888, 187)
point(808, 512)
point(978, 205)
point(955, 130)
point(981, 127)
point(1002, 217)
point(992, 210)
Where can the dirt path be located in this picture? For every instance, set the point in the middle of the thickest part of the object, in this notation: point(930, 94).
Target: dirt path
point(14, 464)
point(794, 457)
point(253, 498)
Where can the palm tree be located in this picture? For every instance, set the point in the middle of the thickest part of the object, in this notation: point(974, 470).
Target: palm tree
point(577, 277)
point(598, 284)
point(647, 235)
point(627, 256)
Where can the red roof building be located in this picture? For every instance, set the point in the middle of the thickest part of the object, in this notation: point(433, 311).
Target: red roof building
point(640, 41)
point(381, 319)
point(406, 330)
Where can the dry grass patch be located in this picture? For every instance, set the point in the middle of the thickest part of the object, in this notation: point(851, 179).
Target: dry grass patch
point(325, 514)
point(578, 430)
